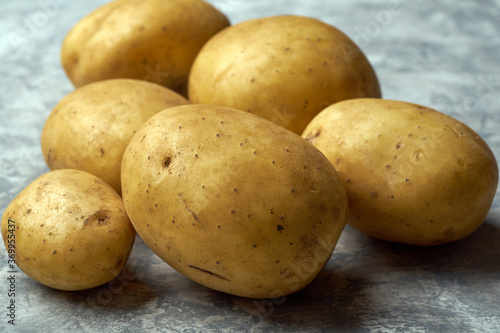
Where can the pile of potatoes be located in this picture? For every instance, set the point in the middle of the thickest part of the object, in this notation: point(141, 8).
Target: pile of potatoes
point(237, 153)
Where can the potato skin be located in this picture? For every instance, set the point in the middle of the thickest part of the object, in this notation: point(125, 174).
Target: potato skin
point(283, 68)
point(71, 230)
point(413, 175)
point(90, 128)
point(152, 40)
point(233, 201)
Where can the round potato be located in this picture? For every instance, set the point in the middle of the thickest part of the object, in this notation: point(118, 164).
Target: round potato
point(68, 230)
point(152, 40)
point(90, 128)
point(412, 174)
point(233, 201)
point(283, 68)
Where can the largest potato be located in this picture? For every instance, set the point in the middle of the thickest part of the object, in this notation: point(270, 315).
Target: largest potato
point(152, 40)
point(233, 201)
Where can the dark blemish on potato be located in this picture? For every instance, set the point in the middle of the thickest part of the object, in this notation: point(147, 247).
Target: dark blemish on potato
point(309, 70)
point(99, 218)
point(222, 122)
point(202, 186)
point(44, 240)
point(144, 61)
point(235, 189)
point(282, 217)
point(431, 221)
point(71, 249)
point(407, 225)
point(347, 180)
point(196, 156)
point(313, 135)
point(410, 135)
point(217, 262)
point(149, 157)
point(163, 28)
point(254, 246)
point(358, 217)
point(255, 152)
point(398, 145)
point(167, 161)
point(287, 150)
point(218, 227)
point(218, 135)
point(190, 211)
point(50, 234)
point(287, 49)
point(208, 272)
point(272, 211)
point(278, 261)
point(274, 162)
point(180, 126)
point(293, 190)
point(374, 195)
point(252, 79)
point(241, 144)
point(407, 180)
point(54, 252)
point(249, 216)
point(28, 211)
point(102, 152)
point(387, 166)
point(233, 212)
point(41, 225)
point(291, 243)
point(143, 138)
point(280, 228)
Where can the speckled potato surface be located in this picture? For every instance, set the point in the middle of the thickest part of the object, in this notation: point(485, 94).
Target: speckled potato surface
point(412, 174)
point(233, 201)
point(152, 40)
point(284, 68)
point(68, 230)
point(90, 128)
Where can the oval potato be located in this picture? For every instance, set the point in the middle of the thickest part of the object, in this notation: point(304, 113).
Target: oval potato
point(151, 40)
point(412, 174)
point(90, 128)
point(68, 230)
point(233, 201)
point(283, 68)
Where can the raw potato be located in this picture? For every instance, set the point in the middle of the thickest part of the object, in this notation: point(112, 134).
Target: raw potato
point(283, 68)
point(152, 40)
point(413, 175)
point(90, 128)
point(70, 230)
point(233, 201)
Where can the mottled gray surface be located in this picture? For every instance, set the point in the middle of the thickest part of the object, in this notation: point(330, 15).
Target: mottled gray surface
point(440, 54)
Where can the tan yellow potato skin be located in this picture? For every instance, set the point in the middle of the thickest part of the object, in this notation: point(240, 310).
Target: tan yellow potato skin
point(71, 230)
point(90, 128)
point(152, 40)
point(412, 174)
point(283, 68)
point(233, 201)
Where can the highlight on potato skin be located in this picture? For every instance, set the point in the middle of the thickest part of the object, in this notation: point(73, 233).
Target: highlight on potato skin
point(152, 40)
point(284, 68)
point(233, 201)
point(71, 230)
point(413, 175)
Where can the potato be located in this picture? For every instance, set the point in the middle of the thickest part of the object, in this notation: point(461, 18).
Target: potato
point(233, 201)
point(152, 40)
point(413, 175)
point(90, 128)
point(283, 68)
point(68, 230)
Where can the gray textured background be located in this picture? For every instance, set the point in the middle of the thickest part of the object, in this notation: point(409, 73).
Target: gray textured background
point(444, 55)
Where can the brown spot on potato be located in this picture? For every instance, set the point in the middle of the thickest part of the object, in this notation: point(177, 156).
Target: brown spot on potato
point(54, 252)
point(167, 161)
point(102, 152)
point(280, 228)
point(98, 218)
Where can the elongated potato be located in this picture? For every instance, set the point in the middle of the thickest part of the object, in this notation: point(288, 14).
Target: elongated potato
point(233, 201)
point(412, 174)
point(68, 230)
point(153, 40)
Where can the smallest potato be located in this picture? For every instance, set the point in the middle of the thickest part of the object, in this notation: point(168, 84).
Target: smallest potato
point(68, 230)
